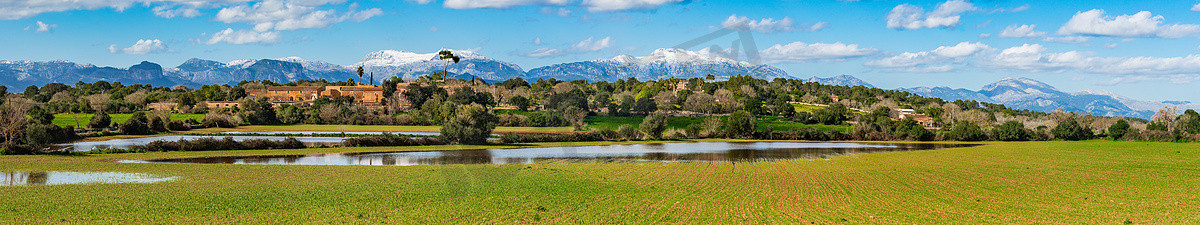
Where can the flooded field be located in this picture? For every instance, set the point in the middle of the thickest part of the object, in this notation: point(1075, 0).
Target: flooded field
point(666, 152)
point(129, 142)
point(303, 133)
point(56, 178)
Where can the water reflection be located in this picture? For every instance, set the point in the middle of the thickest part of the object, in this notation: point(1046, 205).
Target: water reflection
point(55, 178)
point(130, 142)
point(668, 152)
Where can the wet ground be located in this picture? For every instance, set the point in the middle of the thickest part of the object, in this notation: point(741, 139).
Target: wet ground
point(665, 152)
point(56, 178)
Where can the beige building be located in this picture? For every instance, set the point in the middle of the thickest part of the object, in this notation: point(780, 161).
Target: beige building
point(363, 94)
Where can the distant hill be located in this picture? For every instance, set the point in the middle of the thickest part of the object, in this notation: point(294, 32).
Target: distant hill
point(662, 63)
point(1025, 93)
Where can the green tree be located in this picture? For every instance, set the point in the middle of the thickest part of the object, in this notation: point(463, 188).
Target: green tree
point(137, 124)
point(1011, 131)
point(100, 120)
point(966, 131)
point(1071, 131)
point(444, 55)
point(520, 102)
point(258, 111)
point(645, 106)
point(40, 115)
point(654, 125)
point(740, 125)
point(472, 125)
point(1118, 129)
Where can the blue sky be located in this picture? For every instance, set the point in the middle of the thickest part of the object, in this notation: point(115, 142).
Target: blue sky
point(1141, 49)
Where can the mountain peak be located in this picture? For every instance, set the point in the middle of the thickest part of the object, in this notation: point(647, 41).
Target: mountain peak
point(674, 56)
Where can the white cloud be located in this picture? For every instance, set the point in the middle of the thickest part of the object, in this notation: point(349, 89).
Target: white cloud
point(1023, 31)
point(985, 35)
point(1196, 7)
point(935, 61)
point(497, 4)
point(172, 12)
point(591, 44)
point(290, 15)
point(563, 12)
point(243, 37)
point(587, 45)
point(798, 52)
point(142, 47)
point(818, 26)
point(1067, 39)
point(946, 15)
point(619, 5)
point(42, 27)
point(1142, 24)
point(766, 25)
point(543, 52)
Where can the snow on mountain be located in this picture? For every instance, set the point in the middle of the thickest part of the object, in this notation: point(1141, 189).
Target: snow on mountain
point(843, 80)
point(409, 65)
point(1025, 93)
point(948, 93)
point(662, 63)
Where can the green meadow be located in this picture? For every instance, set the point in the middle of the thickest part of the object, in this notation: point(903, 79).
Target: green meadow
point(1090, 182)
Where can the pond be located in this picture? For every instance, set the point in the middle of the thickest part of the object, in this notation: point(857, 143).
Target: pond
point(665, 152)
point(129, 142)
point(303, 133)
point(56, 178)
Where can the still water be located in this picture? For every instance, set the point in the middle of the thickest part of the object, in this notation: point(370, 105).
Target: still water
point(129, 142)
point(303, 133)
point(666, 152)
point(55, 178)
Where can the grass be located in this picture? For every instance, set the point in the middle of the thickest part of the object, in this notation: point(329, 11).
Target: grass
point(778, 123)
point(65, 119)
point(1093, 182)
point(806, 108)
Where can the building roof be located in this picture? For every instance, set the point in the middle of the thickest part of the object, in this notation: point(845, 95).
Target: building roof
point(294, 88)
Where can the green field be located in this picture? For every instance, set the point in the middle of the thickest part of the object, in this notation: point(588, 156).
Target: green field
point(778, 123)
point(1093, 182)
point(64, 119)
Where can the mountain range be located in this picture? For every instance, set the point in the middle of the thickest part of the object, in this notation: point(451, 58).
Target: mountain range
point(1019, 93)
point(1025, 93)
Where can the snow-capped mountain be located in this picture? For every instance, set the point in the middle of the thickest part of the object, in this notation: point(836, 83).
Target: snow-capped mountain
point(25, 73)
point(409, 65)
point(278, 70)
point(843, 80)
point(662, 63)
point(1025, 93)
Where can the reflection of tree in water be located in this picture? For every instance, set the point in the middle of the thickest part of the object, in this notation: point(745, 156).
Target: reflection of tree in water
point(460, 157)
point(37, 178)
point(23, 178)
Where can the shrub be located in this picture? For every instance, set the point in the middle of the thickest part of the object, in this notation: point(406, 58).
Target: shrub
point(1149, 135)
point(388, 139)
point(627, 132)
point(1011, 131)
point(213, 144)
point(221, 120)
point(177, 125)
point(472, 125)
point(1071, 131)
point(537, 137)
point(740, 125)
point(801, 133)
point(100, 120)
point(1118, 129)
point(137, 124)
point(654, 125)
point(966, 131)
